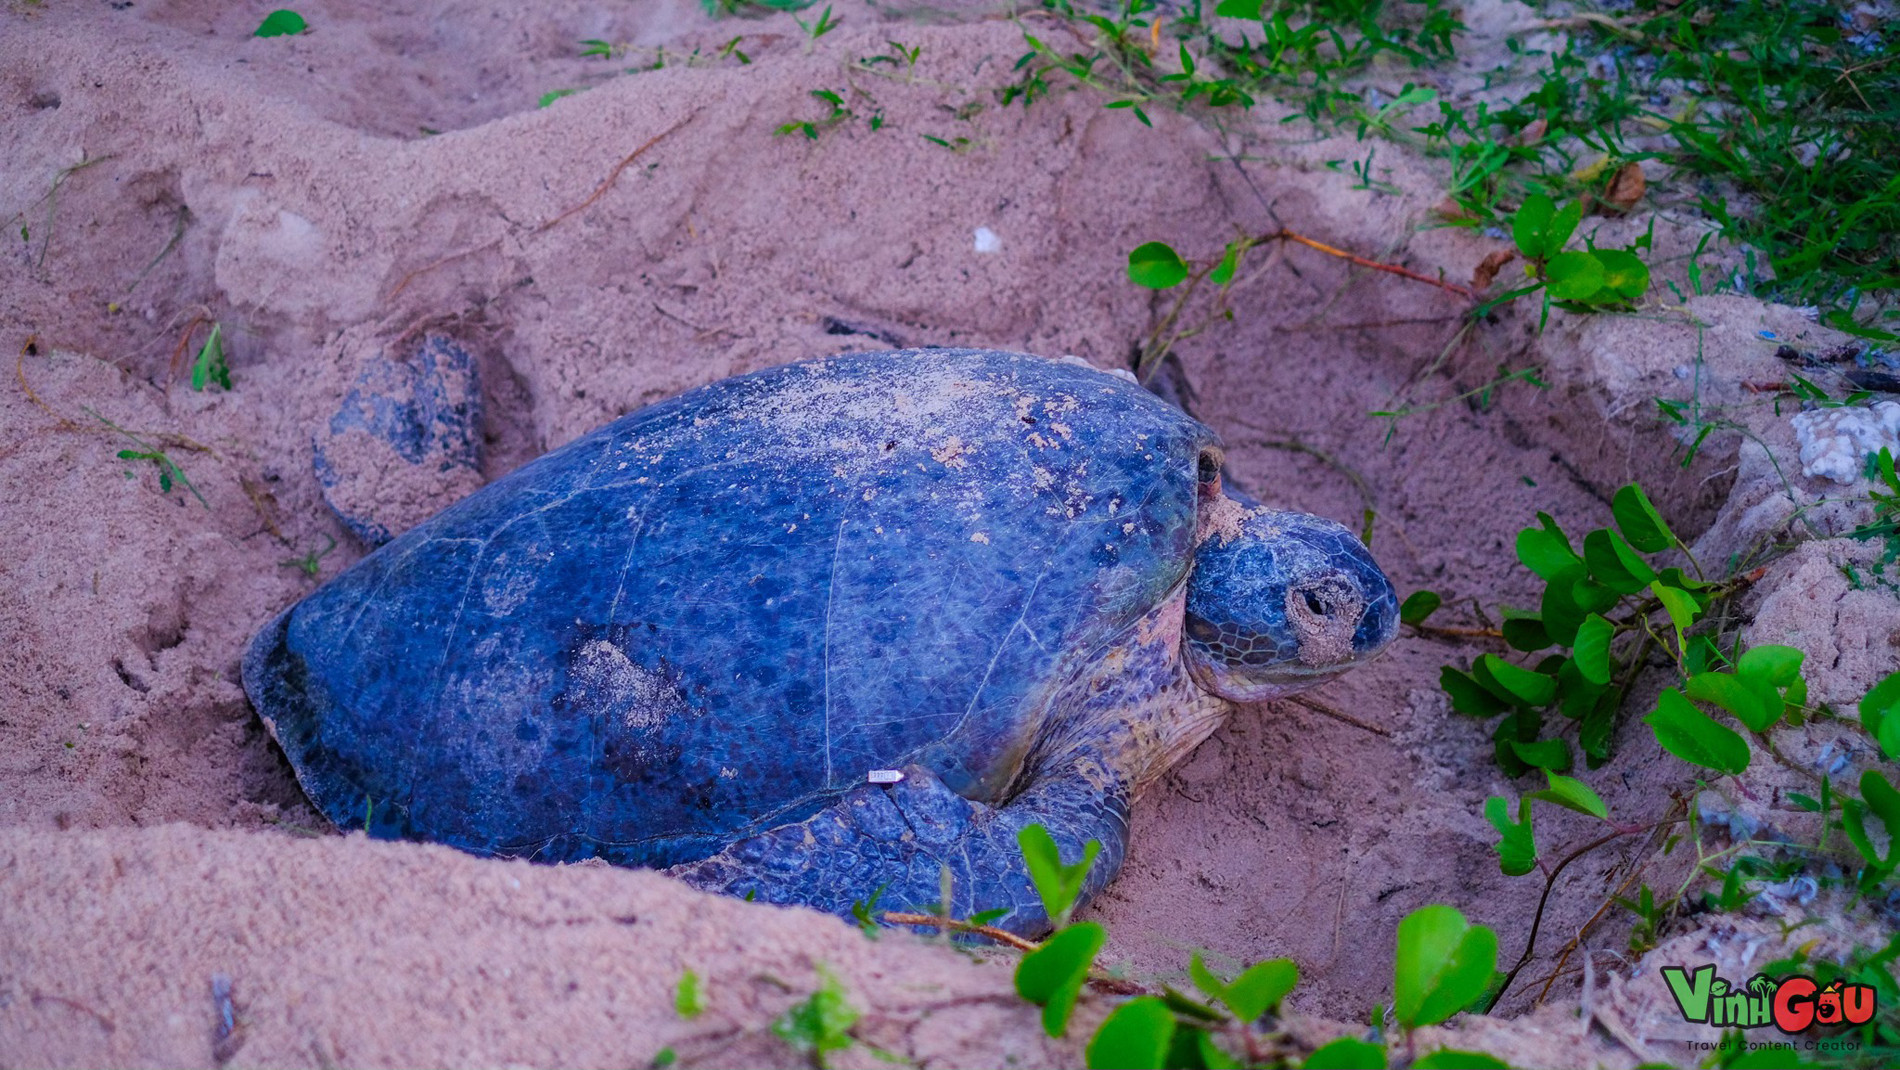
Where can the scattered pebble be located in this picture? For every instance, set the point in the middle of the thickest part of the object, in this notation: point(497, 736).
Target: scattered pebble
point(987, 241)
point(226, 1038)
point(1715, 811)
point(1797, 890)
point(1835, 442)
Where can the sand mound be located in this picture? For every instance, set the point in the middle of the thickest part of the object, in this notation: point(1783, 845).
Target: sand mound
point(326, 196)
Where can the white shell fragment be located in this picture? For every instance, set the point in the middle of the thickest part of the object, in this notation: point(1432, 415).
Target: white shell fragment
point(885, 776)
point(987, 241)
point(1835, 442)
point(1083, 362)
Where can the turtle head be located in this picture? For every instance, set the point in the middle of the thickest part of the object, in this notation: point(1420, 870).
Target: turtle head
point(1279, 602)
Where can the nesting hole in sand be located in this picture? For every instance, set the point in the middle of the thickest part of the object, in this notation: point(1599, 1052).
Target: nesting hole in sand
point(1292, 833)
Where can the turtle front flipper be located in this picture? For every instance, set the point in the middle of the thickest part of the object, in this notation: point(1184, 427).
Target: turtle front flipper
point(406, 440)
point(890, 846)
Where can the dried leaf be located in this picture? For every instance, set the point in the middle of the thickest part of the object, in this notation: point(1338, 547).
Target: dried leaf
point(1626, 187)
point(1488, 268)
point(1451, 211)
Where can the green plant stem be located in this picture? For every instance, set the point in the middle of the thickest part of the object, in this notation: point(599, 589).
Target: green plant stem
point(1155, 351)
point(1097, 976)
point(1636, 663)
point(1550, 882)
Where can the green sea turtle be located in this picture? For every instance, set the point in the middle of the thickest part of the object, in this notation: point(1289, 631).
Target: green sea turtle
point(817, 631)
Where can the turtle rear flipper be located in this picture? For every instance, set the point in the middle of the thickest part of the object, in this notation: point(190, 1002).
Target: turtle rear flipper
point(885, 848)
point(406, 441)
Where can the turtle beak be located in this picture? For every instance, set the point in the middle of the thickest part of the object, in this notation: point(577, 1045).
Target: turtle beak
point(1379, 623)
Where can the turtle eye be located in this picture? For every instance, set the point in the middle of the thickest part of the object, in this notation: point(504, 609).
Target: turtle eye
point(1202, 630)
point(1313, 603)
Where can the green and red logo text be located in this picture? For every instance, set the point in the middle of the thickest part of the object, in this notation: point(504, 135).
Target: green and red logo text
point(1792, 1004)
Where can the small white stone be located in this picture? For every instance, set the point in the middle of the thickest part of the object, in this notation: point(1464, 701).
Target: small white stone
point(1835, 442)
point(884, 776)
point(987, 241)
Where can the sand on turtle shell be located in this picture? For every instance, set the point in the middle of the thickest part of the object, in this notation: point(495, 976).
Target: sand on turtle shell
point(324, 195)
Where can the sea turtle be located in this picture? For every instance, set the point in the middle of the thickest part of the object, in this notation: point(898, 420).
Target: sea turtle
point(819, 631)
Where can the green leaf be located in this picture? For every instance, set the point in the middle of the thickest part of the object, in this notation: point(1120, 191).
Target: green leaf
point(1261, 987)
point(1773, 674)
point(1517, 850)
point(1135, 1036)
point(1675, 577)
point(1468, 695)
point(1525, 631)
point(1238, 9)
point(1572, 794)
point(1546, 551)
point(1882, 460)
point(1205, 979)
point(1559, 610)
point(1223, 272)
point(1679, 604)
point(821, 1023)
point(1346, 1053)
point(1187, 1006)
point(1702, 656)
point(1418, 605)
point(1204, 1053)
point(1257, 990)
point(1592, 649)
point(1693, 736)
point(1574, 275)
point(1730, 693)
point(1531, 225)
point(1056, 883)
point(1595, 731)
point(1590, 596)
point(1575, 695)
point(1639, 521)
point(1156, 266)
point(1562, 225)
point(686, 996)
point(1777, 666)
point(1527, 687)
point(1879, 713)
point(209, 365)
point(1614, 564)
point(1545, 754)
point(1879, 797)
point(1443, 963)
point(553, 95)
point(1453, 1059)
point(1503, 752)
point(1053, 974)
point(281, 24)
point(1734, 1055)
point(1624, 274)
